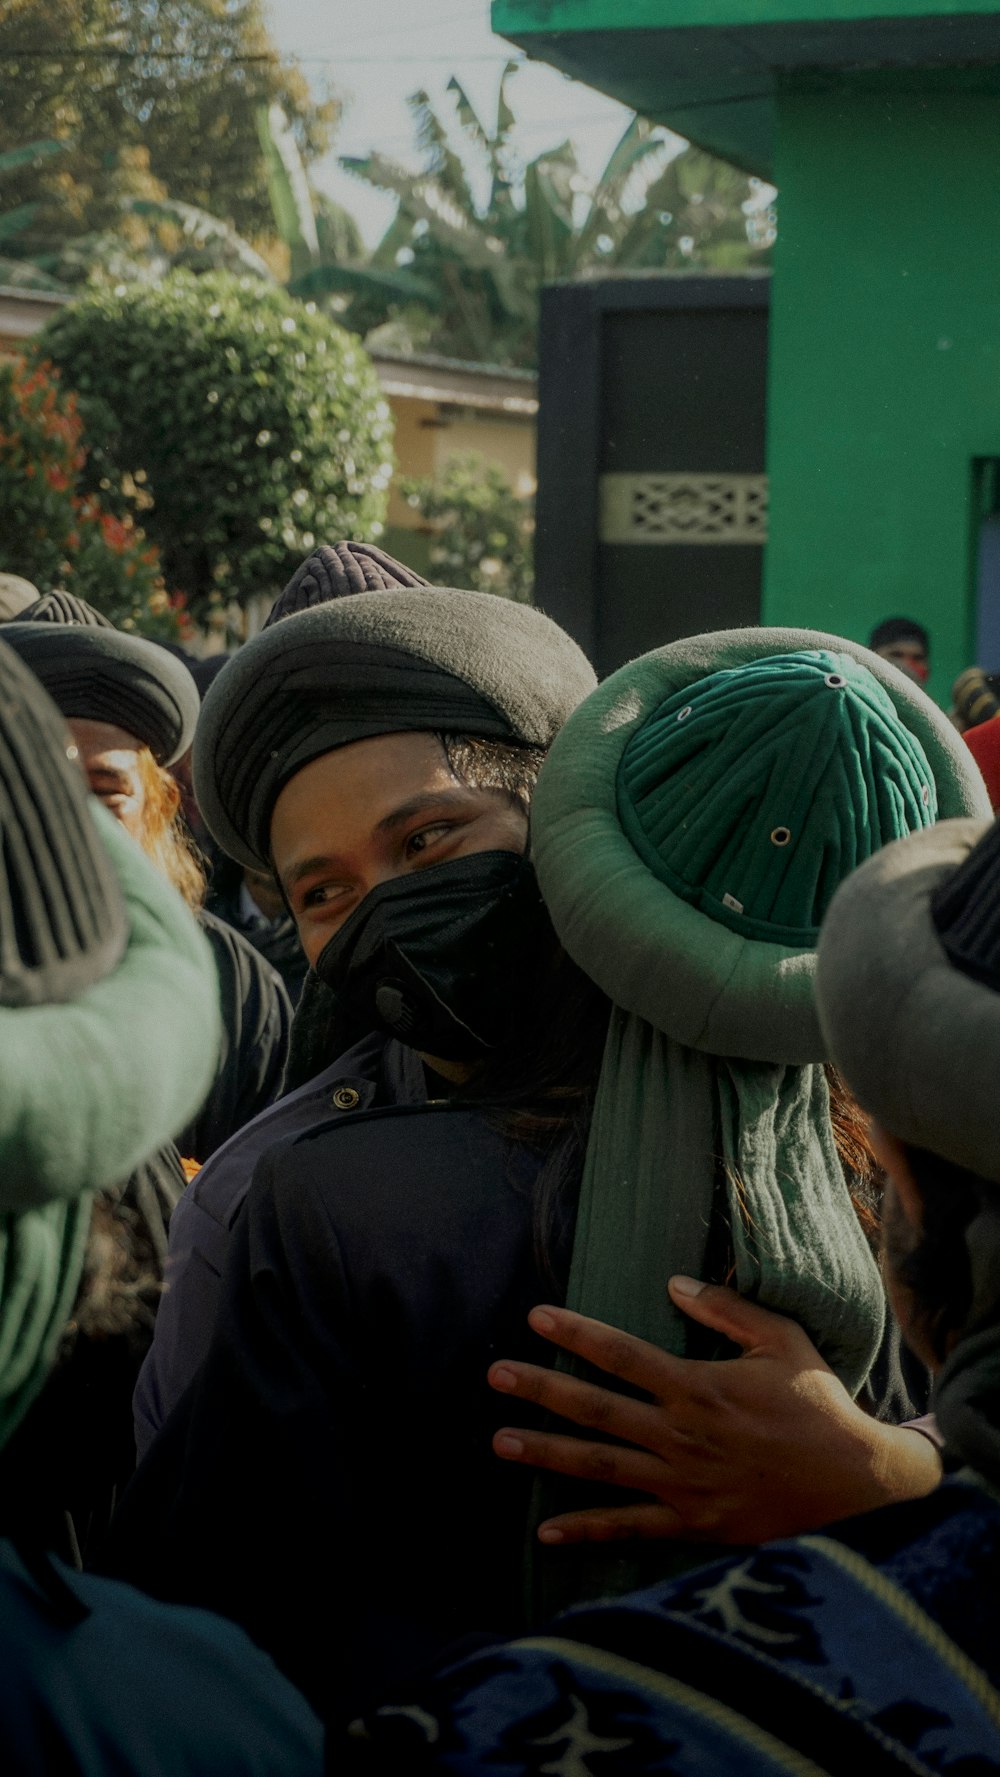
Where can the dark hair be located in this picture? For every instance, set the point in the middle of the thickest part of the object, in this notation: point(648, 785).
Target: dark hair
point(935, 1265)
point(494, 765)
point(899, 629)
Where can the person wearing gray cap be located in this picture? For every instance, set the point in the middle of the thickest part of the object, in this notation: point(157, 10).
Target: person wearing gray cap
point(132, 707)
point(379, 752)
point(322, 676)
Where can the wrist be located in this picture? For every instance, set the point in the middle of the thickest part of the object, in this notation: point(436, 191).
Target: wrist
point(907, 1463)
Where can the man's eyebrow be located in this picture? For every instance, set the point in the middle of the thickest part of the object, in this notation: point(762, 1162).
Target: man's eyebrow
point(428, 799)
point(306, 867)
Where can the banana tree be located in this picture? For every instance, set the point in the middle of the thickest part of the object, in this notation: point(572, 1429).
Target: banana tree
point(655, 205)
point(24, 273)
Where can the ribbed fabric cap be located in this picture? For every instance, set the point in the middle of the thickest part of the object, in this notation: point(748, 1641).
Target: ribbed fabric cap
point(756, 791)
point(62, 918)
point(65, 607)
point(103, 675)
point(334, 571)
point(966, 912)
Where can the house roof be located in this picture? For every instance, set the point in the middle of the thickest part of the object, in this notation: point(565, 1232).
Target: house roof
point(711, 69)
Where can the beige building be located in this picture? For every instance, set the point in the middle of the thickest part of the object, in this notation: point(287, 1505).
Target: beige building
point(445, 408)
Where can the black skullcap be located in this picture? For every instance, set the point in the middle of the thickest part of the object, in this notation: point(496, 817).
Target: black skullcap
point(62, 917)
point(966, 912)
point(64, 607)
point(420, 659)
point(104, 675)
point(334, 571)
point(899, 629)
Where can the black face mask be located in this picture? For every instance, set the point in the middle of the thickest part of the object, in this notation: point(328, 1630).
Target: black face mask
point(438, 957)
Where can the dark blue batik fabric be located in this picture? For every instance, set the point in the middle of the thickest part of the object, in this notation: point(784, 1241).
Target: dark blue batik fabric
point(804, 1656)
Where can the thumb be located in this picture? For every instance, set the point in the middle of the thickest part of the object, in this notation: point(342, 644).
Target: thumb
point(756, 1329)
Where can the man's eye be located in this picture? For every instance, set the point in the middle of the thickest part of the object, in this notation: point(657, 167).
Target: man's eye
point(427, 836)
point(321, 895)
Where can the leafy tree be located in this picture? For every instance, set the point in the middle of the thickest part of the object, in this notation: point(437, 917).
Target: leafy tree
point(13, 222)
point(460, 273)
point(153, 98)
point(55, 532)
point(253, 425)
point(474, 264)
point(483, 528)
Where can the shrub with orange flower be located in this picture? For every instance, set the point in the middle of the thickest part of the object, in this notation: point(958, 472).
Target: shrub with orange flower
point(57, 535)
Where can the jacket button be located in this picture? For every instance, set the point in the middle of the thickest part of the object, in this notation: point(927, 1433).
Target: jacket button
point(346, 1098)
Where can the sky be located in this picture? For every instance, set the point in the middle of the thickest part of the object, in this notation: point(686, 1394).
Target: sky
point(374, 55)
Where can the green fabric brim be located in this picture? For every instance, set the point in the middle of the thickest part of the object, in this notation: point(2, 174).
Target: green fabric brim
point(90, 1088)
point(917, 1040)
point(651, 952)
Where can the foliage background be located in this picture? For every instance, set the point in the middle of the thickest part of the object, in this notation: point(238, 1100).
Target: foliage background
point(151, 97)
point(54, 532)
point(483, 528)
point(241, 425)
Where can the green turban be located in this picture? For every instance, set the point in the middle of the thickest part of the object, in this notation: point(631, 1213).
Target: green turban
point(690, 825)
point(109, 1024)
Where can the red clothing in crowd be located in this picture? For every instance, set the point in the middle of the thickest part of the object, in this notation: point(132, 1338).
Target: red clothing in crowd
point(984, 744)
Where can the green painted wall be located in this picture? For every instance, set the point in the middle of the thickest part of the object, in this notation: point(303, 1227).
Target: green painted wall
point(885, 361)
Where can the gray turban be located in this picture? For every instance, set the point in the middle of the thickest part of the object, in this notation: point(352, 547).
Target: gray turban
point(907, 978)
point(104, 675)
point(64, 607)
point(428, 659)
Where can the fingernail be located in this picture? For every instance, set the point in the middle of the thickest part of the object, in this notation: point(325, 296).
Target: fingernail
point(542, 1320)
point(501, 1377)
point(686, 1286)
point(548, 1533)
point(506, 1445)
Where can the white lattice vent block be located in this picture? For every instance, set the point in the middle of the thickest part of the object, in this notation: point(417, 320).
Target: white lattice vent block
point(715, 509)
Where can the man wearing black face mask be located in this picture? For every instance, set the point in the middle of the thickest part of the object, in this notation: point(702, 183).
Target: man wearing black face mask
point(371, 808)
point(378, 754)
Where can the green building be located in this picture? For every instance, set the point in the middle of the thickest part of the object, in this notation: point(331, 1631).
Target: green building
point(880, 124)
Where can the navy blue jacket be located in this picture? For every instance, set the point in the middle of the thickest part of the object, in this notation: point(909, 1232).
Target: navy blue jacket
point(377, 1071)
point(328, 1478)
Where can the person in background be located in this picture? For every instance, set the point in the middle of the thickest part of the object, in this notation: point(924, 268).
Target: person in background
point(251, 902)
point(873, 1645)
point(108, 1039)
point(977, 713)
point(906, 643)
point(132, 707)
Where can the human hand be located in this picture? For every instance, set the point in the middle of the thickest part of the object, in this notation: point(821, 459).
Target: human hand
point(741, 1450)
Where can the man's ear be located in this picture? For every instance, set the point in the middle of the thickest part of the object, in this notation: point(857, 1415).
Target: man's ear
point(892, 1157)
